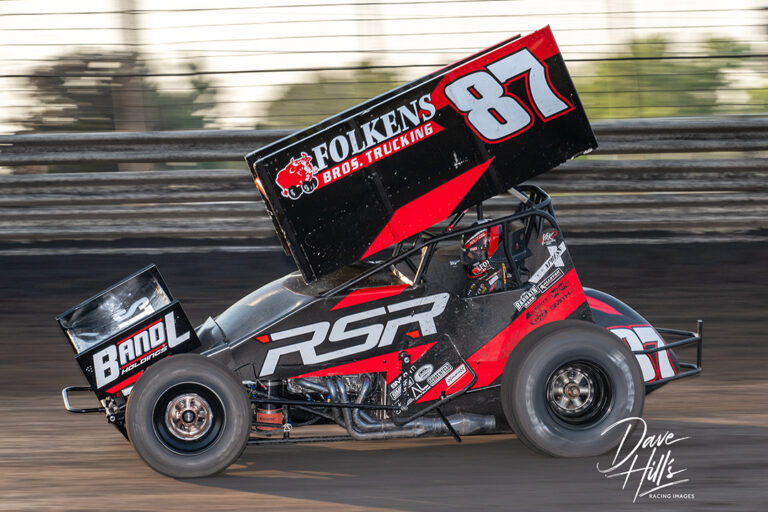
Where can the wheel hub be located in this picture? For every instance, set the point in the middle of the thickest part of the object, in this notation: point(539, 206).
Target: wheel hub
point(571, 390)
point(188, 416)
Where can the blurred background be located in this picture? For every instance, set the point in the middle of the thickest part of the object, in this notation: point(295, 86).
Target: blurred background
point(136, 65)
point(179, 91)
point(670, 214)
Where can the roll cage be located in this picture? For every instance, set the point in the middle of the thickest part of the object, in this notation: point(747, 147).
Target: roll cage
point(535, 207)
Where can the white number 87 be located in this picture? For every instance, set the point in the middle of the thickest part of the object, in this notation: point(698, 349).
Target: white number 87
point(496, 115)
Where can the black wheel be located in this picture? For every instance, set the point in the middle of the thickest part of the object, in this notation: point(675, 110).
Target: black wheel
point(294, 192)
point(309, 186)
point(188, 416)
point(565, 384)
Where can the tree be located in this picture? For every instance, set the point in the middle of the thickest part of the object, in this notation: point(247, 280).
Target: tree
point(88, 91)
point(758, 98)
point(96, 92)
point(326, 94)
point(651, 81)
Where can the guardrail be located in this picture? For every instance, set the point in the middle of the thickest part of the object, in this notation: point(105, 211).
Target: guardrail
point(646, 196)
point(631, 136)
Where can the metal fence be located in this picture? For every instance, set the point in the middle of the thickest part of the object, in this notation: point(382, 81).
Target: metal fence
point(242, 66)
point(635, 136)
point(657, 180)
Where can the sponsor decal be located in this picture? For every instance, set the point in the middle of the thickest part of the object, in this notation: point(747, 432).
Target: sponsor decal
point(527, 298)
point(455, 375)
point(423, 372)
point(125, 317)
point(297, 177)
point(322, 334)
point(372, 142)
point(536, 316)
point(377, 153)
point(439, 374)
point(408, 387)
point(548, 237)
point(551, 279)
point(555, 260)
point(136, 350)
point(646, 462)
point(559, 293)
point(481, 268)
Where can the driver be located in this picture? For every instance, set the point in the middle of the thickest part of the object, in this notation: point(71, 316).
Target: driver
point(486, 274)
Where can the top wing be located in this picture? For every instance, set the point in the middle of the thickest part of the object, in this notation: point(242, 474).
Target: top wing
point(356, 183)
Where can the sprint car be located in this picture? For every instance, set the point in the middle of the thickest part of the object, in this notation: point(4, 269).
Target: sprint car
point(411, 313)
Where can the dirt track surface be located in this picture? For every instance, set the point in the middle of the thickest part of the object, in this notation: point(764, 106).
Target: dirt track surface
point(52, 460)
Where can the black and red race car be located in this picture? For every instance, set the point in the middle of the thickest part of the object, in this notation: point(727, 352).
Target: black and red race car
point(412, 313)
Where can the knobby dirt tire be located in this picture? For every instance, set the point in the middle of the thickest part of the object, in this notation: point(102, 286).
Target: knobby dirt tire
point(188, 387)
point(570, 425)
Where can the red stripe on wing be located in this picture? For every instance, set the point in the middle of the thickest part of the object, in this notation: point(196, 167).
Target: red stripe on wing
point(427, 210)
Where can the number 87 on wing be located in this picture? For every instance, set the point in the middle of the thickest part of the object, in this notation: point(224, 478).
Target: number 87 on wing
point(504, 92)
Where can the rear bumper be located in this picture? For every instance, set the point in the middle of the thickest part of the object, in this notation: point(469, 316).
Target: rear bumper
point(689, 338)
point(81, 389)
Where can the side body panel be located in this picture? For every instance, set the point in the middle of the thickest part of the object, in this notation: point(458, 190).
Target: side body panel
point(428, 340)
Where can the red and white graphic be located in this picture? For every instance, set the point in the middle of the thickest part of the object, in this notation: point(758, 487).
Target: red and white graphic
point(297, 177)
point(376, 335)
point(479, 89)
point(654, 366)
point(136, 350)
point(548, 237)
point(378, 153)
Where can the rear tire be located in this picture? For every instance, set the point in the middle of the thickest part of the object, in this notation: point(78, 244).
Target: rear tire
point(188, 416)
point(565, 384)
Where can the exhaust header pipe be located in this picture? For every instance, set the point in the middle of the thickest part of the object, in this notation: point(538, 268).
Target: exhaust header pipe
point(362, 426)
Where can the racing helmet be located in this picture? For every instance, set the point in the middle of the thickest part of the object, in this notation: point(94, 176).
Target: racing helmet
point(474, 253)
point(477, 249)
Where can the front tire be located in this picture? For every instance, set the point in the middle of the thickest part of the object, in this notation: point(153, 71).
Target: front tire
point(188, 416)
point(565, 384)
